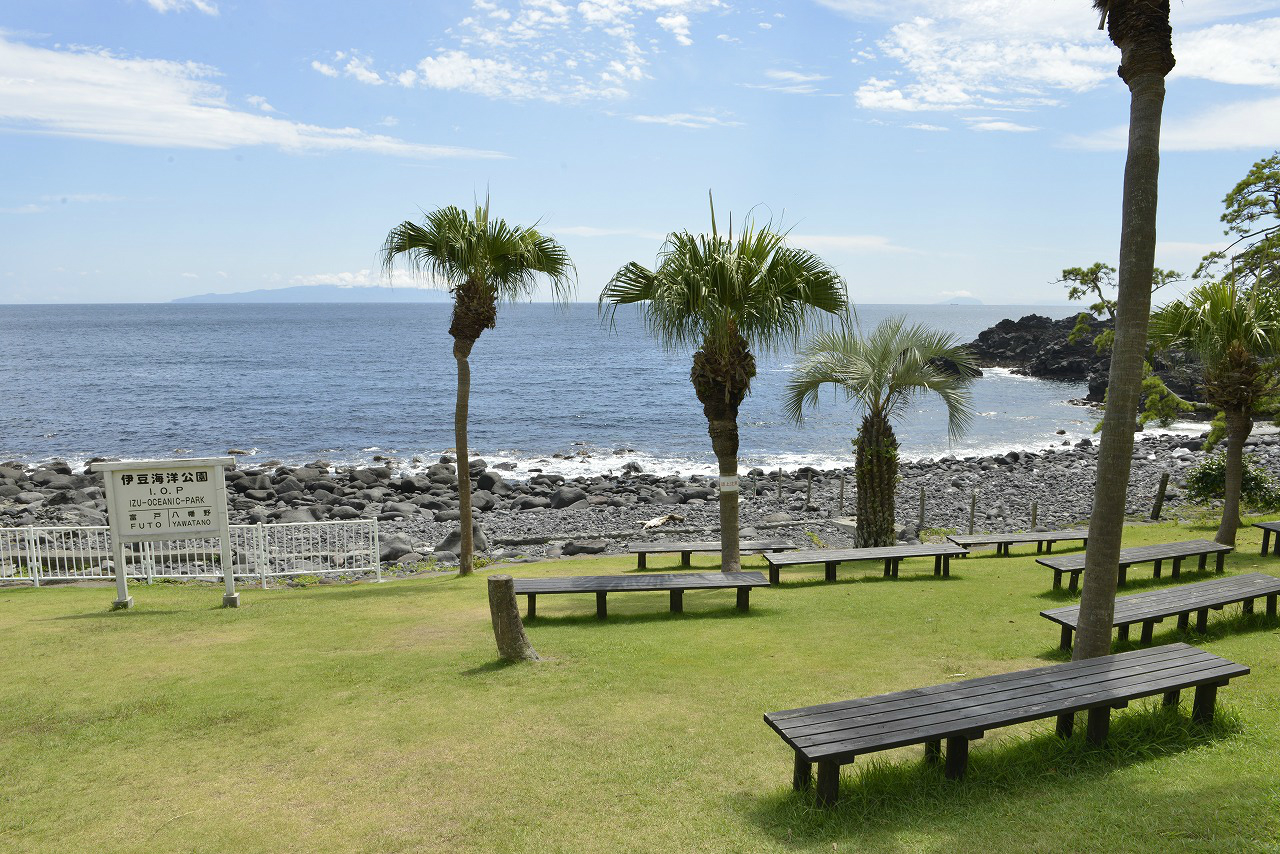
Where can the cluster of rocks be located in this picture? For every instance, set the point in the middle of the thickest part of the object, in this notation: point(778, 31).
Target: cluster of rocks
point(551, 516)
point(1039, 347)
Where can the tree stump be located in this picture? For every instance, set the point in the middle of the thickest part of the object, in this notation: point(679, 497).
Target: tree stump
point(508, 629)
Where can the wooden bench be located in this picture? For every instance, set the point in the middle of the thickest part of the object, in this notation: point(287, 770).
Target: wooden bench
point(686, 550)
point(1181, 602)
point(891, 555)
point(834, 734)
point(1157, 554)
point(1044, 540)
point(674, 583)
point(1269, 528)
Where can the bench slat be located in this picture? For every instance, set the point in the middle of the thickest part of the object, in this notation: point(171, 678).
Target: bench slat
point(824, 556)
point(709, 546)
point(1020, 538)
point(1173, 601)
point(1141, 554)
point(639, 583)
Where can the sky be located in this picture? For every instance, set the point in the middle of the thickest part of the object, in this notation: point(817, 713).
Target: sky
point(928, 149)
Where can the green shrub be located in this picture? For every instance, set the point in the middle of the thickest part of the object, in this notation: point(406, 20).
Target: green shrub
point(1207, 481)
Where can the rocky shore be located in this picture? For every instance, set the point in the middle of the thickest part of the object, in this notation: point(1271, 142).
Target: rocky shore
point(550, 516)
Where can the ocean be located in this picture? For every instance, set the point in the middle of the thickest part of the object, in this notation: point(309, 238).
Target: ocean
point(346, 382)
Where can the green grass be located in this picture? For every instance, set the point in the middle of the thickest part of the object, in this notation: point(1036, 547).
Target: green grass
point(374, 718)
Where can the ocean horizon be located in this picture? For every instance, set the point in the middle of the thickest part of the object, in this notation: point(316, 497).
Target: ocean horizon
point(552, 388)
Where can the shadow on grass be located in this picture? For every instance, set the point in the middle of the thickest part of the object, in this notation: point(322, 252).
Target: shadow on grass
point(729, 612)
point(787, 583)
point(1218, 629)
point(129, 613)
point(886, 796)
point(494, 666)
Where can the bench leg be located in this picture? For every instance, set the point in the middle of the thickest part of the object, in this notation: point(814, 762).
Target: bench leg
point(957, 757)
point(1156, 569)
point(1148, 628)
point(932, 752)
point(677, 601)
point(894, 570)
point(1074, 586)
point(1048, 547)
point(830, 571)
point(1123, 577)
point(1099, 724)
point(1122, 634)
point(744, 598)
point(1039, 547)
point(1171, 698)
point(1064, 638)
point(1184, 622)
point(773, 574)
point(533, 606)
point(937, 565)
point(828, 784)
point(602, 610)
point(1266, 540)
point(1222, 562)
point(1202, 706)
point(1057, 579)
point(946, 566)
point(1246, 607)
point(1204, 562)
point(888, 567)
point(685, 558)
point(1066, 725)
point(642, 560)
point(1202, 620)
point(802, 774)
point(1271, 600)
point(1177, 567)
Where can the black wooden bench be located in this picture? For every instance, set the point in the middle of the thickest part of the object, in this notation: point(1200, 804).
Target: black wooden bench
point(686, 550)
point(1181, 602)
point(1269, 528)
point(891, 555)
point(834, 734)
point(1157, 554)
point(1044, 540)
point(675, 583)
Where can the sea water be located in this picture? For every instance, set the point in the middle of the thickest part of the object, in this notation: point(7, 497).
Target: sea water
point(346, 382)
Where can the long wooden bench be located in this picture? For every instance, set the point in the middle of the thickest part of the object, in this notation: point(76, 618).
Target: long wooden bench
point(1181, 602)
point(686, 550)
point(1157, 554)
point(834, 734)
point(1269, 528)
point(1044, 540)
point(891, 555)
point(674, 583)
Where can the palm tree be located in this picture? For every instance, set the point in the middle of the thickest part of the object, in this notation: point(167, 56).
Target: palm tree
point(1235, 334)
point(727, 297)
point(1140, 28)
point(883, 373)
point(482, 261)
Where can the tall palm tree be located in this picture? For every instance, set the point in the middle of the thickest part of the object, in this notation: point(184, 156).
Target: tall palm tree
point(482, 261)
point(883, 373)
point(1140, 28)
point(1236, 335)
point(727, 296)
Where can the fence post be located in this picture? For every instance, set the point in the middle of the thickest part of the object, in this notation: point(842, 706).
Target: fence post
point(973, 508)
point(1159, 505)
point(1035, 508)
point(33, 556)
point(260, 554)
point(377, 552)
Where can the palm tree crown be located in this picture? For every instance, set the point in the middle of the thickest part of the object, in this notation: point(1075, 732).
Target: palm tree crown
point(884, 371)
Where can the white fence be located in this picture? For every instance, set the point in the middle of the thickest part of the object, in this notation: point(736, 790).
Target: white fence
point(39, 555)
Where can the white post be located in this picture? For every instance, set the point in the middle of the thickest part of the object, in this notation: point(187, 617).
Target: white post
point(33, 556)
point(123, 599)
point(230, 598)
point(260, 554)
point(377, 552)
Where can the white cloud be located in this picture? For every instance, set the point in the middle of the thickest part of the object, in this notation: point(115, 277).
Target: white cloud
point(928, 127)
point(996, 125)
point(190, 275)
point(954, 294)
point(844, 242)
point(790, 82)
point(24, 209)
point(1225, 127)
point(357, 279)
point(261, 103)
point(544, 49)
point(687, 120)
point(1238, 54)
point(183, 5)
point(95, 94)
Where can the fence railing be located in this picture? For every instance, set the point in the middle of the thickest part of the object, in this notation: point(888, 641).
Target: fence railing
point(40, 554)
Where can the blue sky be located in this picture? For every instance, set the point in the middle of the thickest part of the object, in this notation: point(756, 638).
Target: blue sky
point(154, 149)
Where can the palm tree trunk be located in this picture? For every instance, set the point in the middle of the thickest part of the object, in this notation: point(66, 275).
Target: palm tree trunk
point(461, 353)
point(1145, 59)
point(724, 441)
point(1239, 426)
point(876, 473)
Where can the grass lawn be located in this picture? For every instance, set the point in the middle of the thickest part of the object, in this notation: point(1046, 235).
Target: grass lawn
point(374, 718)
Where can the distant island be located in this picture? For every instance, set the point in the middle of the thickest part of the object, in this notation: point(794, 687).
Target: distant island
point(960, 301)
point(325, 293)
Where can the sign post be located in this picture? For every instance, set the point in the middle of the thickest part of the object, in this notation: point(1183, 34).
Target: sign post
point(151, 500)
